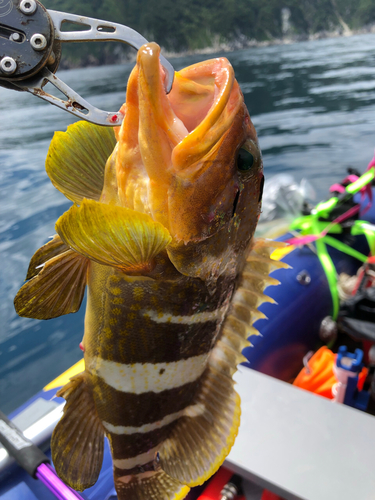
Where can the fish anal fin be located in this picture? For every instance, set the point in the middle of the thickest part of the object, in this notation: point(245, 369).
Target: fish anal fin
point(78, 439)
point(58, 289)
point(52, 248)
point(76, 160)
point(113, 235)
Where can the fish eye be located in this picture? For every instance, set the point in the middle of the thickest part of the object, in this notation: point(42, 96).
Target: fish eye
point(245, 160)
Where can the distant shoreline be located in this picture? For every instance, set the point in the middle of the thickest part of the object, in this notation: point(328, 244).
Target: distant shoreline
point(238, 44)
point(246, 43)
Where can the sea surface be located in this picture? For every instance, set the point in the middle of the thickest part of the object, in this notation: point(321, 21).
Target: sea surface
point(313, 105)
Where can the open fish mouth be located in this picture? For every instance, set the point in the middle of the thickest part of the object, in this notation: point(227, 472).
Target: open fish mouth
point(197, 111)
point(167, 143)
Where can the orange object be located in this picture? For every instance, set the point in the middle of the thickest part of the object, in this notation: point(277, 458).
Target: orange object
point(319, 378)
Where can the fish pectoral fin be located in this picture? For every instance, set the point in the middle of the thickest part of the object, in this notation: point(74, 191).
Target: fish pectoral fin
point(58, 289)
point(114, 236)
point(52, 248)
point(78, 439)
point(76, 160)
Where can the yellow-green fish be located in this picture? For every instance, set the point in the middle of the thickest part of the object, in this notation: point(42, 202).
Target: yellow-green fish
point(161, 232)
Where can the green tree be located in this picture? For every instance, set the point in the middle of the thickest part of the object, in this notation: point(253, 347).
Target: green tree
point(187, 25)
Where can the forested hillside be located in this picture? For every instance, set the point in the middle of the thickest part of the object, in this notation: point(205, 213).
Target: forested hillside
point(179, 25)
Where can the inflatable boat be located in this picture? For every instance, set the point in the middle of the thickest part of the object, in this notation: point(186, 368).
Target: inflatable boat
point(333, 240)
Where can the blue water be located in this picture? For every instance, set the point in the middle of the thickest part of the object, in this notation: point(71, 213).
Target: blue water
point(313, 105)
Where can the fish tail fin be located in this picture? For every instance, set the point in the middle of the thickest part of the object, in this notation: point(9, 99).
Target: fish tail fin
point(152, 485)
point(78, 440)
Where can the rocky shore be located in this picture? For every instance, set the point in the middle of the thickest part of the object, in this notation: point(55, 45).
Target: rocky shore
point(121, 54)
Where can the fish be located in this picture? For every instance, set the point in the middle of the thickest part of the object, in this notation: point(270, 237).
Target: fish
point(161, 231)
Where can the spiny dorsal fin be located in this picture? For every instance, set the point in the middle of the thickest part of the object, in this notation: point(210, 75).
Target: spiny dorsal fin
point(52, 248)
point(209, 433)
point(113, 235)
point(76, 160)
point(78, 440)
point(254, 280)
point(259, 258)
point(58, 289)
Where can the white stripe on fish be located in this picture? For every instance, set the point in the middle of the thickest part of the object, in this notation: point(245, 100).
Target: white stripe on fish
point(136, 477)
point(201, 317)
point(190, 411)
point(142, 459)
point(139, 378)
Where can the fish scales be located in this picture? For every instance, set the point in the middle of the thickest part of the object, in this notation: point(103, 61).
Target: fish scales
point(150, 364)
point(162, 235)
point(150, 343)
point(156, 321)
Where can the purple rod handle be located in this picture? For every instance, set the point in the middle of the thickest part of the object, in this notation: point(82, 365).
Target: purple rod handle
point(32, 459)
point(47, 475)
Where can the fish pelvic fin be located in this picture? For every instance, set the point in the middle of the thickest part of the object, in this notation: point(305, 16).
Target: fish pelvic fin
point(57, 285)
point(155, 485)
point(114, 236)
point(78, 439)
point(76, 160)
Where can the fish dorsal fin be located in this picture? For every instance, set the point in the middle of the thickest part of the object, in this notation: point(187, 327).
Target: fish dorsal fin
point(201, 439)
point(52, 248)
point(113, 235)
point(78, 440)
point(260, 261)
point(76, 160)
point(58, 289)
point(253, 281)
point(208, 433)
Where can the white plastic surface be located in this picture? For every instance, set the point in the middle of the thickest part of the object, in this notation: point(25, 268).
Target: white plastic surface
point(301, 445)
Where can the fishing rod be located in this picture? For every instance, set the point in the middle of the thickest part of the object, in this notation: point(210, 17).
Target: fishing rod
point(30, 44)
point(32, 459)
